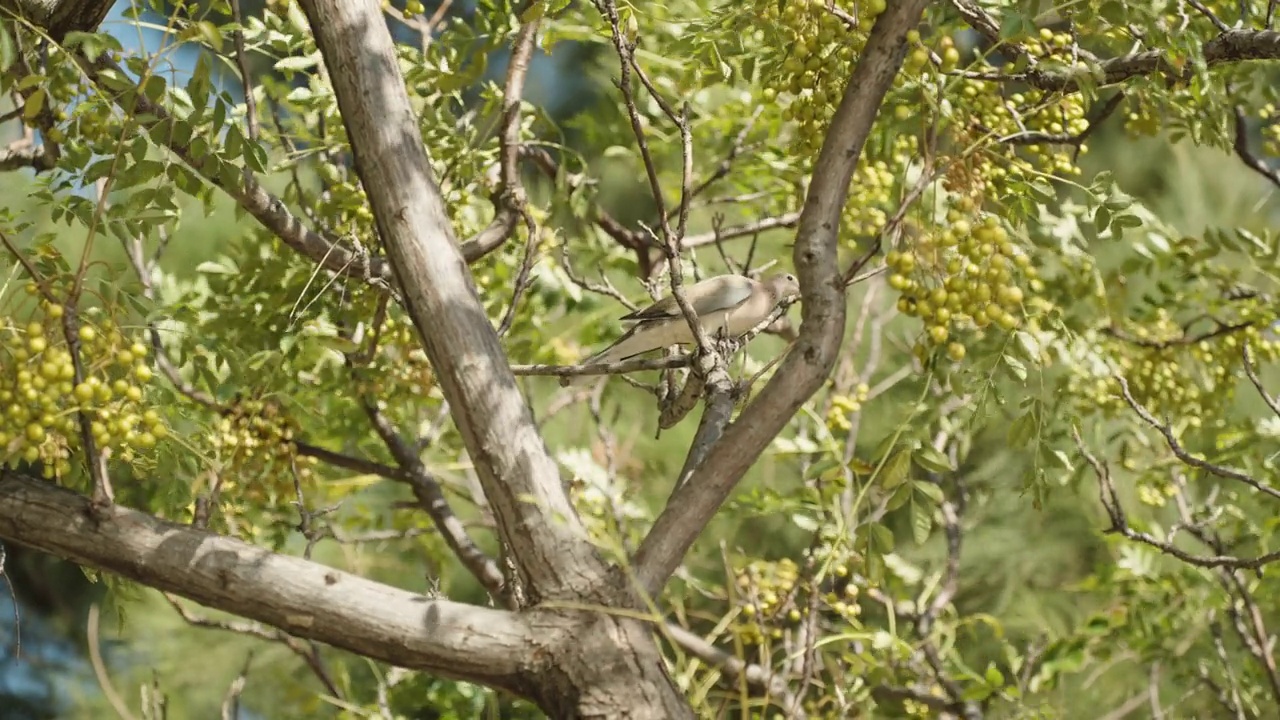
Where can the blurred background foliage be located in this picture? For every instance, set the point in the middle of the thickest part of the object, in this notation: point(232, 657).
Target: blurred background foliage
point(253, 324)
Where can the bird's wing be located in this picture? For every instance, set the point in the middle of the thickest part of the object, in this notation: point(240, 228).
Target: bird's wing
point(717, 293)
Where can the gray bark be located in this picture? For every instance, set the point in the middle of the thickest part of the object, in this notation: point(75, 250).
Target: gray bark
point(591, 664)
point(817, 263)
point(298, 596)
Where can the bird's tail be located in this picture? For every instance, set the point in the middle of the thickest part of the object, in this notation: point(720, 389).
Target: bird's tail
point(619, 350)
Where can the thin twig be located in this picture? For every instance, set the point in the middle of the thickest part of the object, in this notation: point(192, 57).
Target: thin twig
point(231, 703)
point(1248, 156)
point(759, 679)
point(242, 60)
point(1180, 341)
point(1217, 22)
point(100, 668)
point(17, 613)
point(1249, 369)
point(1186, 457)
point(309, 652)
point(432, 499)
point(787, 220)
point(1110, 500)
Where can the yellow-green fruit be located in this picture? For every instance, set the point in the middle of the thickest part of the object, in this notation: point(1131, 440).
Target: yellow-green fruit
point(35, 432)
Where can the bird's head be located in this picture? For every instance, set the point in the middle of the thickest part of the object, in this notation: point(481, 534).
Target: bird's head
point(784, 285)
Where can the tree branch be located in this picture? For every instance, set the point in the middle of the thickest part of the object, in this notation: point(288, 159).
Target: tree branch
point(788, 220)
point(297, 596)
point(427, 490)
point(60, 17)
point(270, 210)
point(1251, 159)
point(25, 156)
point(1187, 458)
point(307, 651)
point(762, 681)
point(822, 329)
point(509, 200)
point(537, 523)
point(1228, 47)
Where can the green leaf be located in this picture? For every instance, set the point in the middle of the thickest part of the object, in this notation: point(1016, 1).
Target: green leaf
point(880, 538)
point(219, 116)
point(901, 496)
point(297, 19)
point(138, 151)
point(1102, 219)
point(34, 104)
point(930, 459)
point(235, 141)
point(1015, 366)
point(256, 158)
point(1022, 430)
point(804, 522)
point(1061, 457)
point(1013, 25)
point(1127, 221)
point(921, 522)
point(182, 132)
point(1113, 12)
point(153, 88)
point(931, 491)
point(8, 53)
point(1042, 191)
point(994, 677)
point(895, 471)
point(208, 32)
point(535, 11)
point(298, 63)
point(221, 266)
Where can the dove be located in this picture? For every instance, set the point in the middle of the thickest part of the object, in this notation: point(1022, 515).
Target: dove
point(728, 304)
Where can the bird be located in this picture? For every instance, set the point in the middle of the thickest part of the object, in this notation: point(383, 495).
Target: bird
point(728, 304)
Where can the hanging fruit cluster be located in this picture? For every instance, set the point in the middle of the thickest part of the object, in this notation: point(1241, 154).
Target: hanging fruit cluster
point(771, 598)
point(254, 439)
point(844, 406)
point(41, 403)
point(962, 279)
point(1171, 377)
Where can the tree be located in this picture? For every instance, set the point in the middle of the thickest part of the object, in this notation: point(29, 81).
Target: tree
point(416, 230)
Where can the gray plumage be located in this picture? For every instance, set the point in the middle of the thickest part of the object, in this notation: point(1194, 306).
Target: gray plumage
point(728, 304)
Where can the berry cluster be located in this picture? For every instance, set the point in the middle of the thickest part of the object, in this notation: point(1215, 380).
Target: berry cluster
point(961, 279)
point(874, 191)
point(1039, 128)
point(1270, 129)
point(818, 52)
point(1171, 377)
point(42, 401)
point(771, 598)
point(400, 365)
point(843, 406)
point(254, 439)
